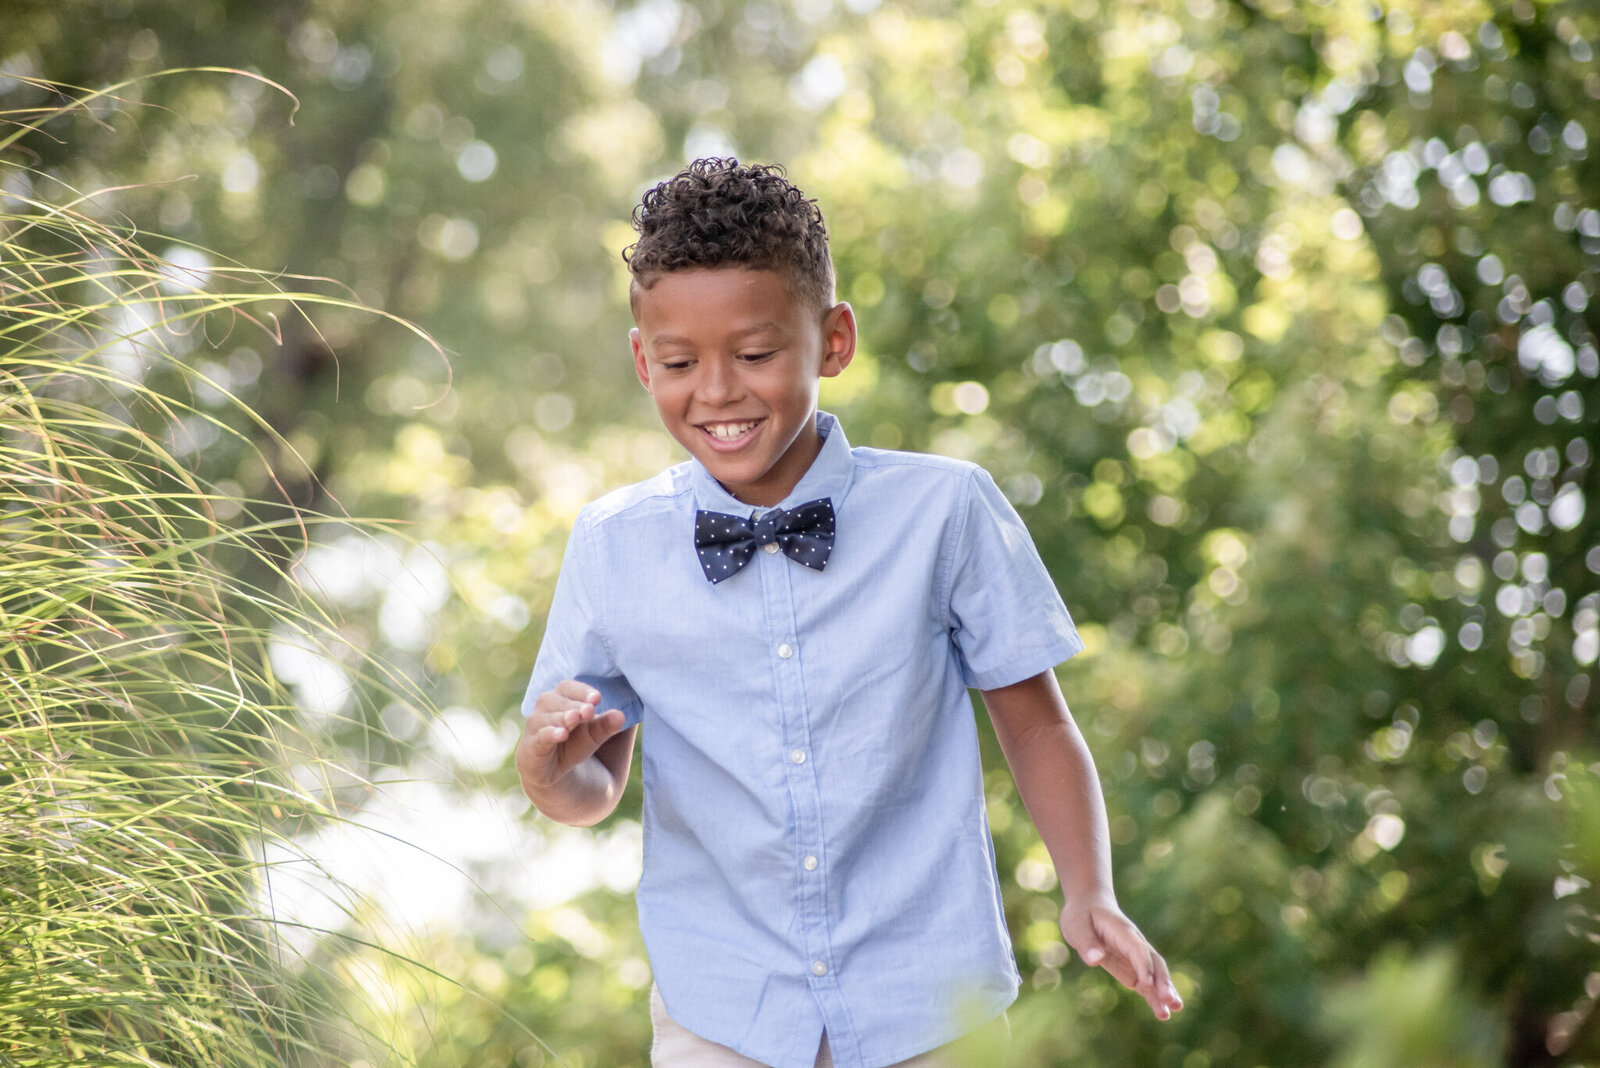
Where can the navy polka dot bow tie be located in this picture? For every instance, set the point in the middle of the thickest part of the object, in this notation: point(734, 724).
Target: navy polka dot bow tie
point(727, 542)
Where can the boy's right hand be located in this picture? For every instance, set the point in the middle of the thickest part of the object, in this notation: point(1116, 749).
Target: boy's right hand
point(562, 732)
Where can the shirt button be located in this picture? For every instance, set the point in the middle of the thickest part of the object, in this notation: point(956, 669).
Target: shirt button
point(810, 863)
point(770, 547)
point(785, 651)
point(818, 968)
point(798, 756)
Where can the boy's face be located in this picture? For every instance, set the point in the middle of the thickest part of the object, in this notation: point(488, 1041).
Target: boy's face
point(733, 362)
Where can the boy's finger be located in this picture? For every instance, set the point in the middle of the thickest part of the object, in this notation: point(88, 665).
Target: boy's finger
point(564, 740)
point(1123, 971)
point(578, 691)
point(1139, 967)
point(594, 732)
point(1132, 947)
point(1165, 990)
point(1143, 961)
point(607, 723)
point(1164, 1001)
point(537, 756)
point(536, 727)
point(556, 708)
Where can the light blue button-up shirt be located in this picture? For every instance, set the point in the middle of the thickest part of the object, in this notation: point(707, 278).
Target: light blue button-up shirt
point(816, 850)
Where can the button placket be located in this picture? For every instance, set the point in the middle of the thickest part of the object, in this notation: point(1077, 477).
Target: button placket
point(814, 936)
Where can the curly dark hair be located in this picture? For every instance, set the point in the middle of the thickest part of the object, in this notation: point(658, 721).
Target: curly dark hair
point(722, 213)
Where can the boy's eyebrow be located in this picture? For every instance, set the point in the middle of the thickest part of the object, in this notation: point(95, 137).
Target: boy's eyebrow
point(756, 328)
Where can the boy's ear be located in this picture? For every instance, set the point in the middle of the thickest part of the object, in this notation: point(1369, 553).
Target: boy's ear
point(641, 366)
point(838, 339)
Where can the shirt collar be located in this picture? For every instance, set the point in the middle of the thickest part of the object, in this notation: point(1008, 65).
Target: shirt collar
point(828, 476)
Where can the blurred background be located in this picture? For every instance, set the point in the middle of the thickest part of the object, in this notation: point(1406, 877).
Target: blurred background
point(1276, 321)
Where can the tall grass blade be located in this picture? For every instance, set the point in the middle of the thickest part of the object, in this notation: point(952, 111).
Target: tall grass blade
point(150, 761)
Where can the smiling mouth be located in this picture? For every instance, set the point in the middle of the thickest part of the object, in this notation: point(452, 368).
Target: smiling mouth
point(728, 433)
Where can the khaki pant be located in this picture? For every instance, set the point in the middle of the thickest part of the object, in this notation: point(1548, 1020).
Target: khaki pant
point(678, 1047)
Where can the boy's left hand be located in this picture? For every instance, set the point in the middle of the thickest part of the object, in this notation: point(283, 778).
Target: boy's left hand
point(1104, 937)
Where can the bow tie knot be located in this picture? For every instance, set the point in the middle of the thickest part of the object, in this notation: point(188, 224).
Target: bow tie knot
point(726, 543)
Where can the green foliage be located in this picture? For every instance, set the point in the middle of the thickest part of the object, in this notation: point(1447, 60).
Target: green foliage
point(1276, 321)
point(151, 762)
point(1411, 1013)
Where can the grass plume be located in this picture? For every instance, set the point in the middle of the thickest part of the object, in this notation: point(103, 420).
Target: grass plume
point(150, 761)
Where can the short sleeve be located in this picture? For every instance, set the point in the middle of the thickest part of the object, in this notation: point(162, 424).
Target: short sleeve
point(1007, 622)
point(574, 645)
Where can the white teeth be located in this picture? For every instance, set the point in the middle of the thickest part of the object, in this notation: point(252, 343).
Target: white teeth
point(728, 431)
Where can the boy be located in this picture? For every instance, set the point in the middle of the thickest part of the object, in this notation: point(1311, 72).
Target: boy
point(798, 623)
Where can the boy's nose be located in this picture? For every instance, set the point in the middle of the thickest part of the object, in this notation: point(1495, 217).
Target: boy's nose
point(719, 383)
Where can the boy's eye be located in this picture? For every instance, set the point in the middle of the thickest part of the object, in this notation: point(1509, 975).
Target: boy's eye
point(756, 357)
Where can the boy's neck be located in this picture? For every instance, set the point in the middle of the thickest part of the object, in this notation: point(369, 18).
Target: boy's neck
point(797, 460)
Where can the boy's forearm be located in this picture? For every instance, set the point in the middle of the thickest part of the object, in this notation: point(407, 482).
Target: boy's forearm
point(1067, 809)
point(1056, 778)
point(1057, 781)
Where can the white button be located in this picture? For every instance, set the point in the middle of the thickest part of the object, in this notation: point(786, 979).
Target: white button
point(810, 863)
point(818, 968)
point(785, 651)
point(770, 547)
point(798, 756)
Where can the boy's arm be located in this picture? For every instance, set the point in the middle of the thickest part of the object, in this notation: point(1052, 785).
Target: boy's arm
point(573, 761)
point(1056, 778)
